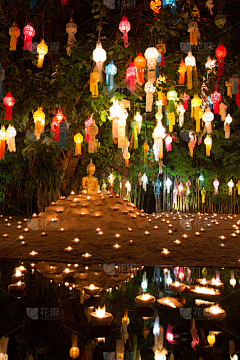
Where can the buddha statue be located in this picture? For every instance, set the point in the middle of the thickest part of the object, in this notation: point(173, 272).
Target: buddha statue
point(89, 182)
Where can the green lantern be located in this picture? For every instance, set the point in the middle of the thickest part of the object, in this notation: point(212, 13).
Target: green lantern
point(220, 20)
point(171, 96)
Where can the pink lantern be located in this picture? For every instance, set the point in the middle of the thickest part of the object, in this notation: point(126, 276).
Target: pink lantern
point(169, 334)
point(29, 33)
point(216, 185)
point(57, 119)
point(188, 184)
point(216, 98)
point(189, 275)
point(168, 142)
point(180, 188)
point(181, 274)
point(131, 73)
point(63, 2)
point(124, 27)
point(186, 97)
point(87, 124)
point(175, 192)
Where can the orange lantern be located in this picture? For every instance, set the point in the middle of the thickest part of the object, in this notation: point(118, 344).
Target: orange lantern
point(162, 49)
point(2, 142)
point(140, 62)
point(155, 5)
point(182, 69)
point(78, 139)
point(39, 120)
point(196, 111)
point(208, 143)
point(14, 32)
point(8, 101)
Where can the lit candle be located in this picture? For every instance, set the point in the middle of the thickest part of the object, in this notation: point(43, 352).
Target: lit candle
point(33, 253)
point(177, 242)
point(35, 215)
point(165, 251)
point(117, 236)
point(86, 255)
point(131, 242)
point(24, 243)
point(222, 246)
point(184, 236)
point(19, 227)
point(61, 230)
point(222, 237)
point(170, 232)
point(117, 246)
point(8, 224)
point(76, 240)
point(147, 233)
point(72, 193)
point(5, 235)
point(88, 197)
point(26, 229)
point(155, 228)
point(68, 249)
point(19, 222)
point(233, 235)
point(43, 234)
point(197, 233)
point(16, 287)
point(21, 237)
point(100, 233)
point(130, 229)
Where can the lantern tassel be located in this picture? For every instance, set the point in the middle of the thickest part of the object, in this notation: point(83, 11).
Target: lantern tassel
point(125, 38)
point(78, 149)
point(8, 114)
point(189, 77)
point(99, 66)
point(13, 43)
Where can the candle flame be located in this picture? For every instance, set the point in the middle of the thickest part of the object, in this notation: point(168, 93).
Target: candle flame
point(215, 309)
point(205, 290)
point(91, 287)
point(19, 283)
point(100, 312)
point(18, 272)
point(169, 303)
point(176, 283)
point(146, 297)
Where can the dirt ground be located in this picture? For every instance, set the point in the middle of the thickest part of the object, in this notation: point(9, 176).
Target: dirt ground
point(193, 251)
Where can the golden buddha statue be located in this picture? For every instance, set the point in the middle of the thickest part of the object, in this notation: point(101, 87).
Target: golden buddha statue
point(89, 182)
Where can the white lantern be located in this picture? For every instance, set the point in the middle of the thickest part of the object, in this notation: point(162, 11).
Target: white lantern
point(227, 123)
point(223, 111)
point(210, 64)
point(149, 89)
point(208, 117)
point(99, 56)
point(144, 181)
point(151, 54)
point(190, 59)
point(116, 112)
point(158, 136)
point(168, 184)
point(230, 186)
point(10, 139)
point(181, 111)
point(71, 29)
point(138, 118)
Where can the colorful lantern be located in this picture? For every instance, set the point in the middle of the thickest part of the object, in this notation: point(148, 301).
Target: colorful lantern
point(155, 5)
point(58, 117)
point(190, 62)
point(196, 111)
point(39, 120)
point(110, 70)
point(94, 79)
point(235, 80)
point(210, 5)
point(99, 56)
point(10, 138)
point(14, 32)
point(63, 128)
point(126, 154)
point(192, 142)
point(195, 12)
point(140, 178)
point(171, 120)
point(138, 118)
point(188, 184)
point(124, 27)
point(140, 63)
point(220, 53)
point(122, 121)
point(227, 123)
point(203, 193)
point(169, 334)
point(201, 180)
point(151, 54)
point(228, 84)
point(116, 112)
point(74, 351)
point(194, 32)
point(210, 64)
point(8, 101)
point(78, 139)
point(145, 150)
point(2, 77)
point(87, 124)
point(168, 142)
point(216, 185)
point(208, 143)
point(63, 2)
point(220, 20)
point(111, 182)
point(131, 73)
point(149, 89)
point(186, 98)
point(134, 126)
point(211, 338)
point(42, 50)
point(216, 97)
point(29, 33)
point(2, 142)
point(208, 118)
point(169, 3)
point(92, 132)
point(180, 189)
point(162, 49)
point(171, 96)
point(158, 136)
point(182, 69)
point(181, 111)
point(238, 187)
point(71, 29)
point(144, 181)
point(223, 111)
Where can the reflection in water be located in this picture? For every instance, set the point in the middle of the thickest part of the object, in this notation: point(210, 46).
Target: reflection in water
point(57, 310)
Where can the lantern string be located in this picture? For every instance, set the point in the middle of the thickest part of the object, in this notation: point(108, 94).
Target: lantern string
point(99, 29)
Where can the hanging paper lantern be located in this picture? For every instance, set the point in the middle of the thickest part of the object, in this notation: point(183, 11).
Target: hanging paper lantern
point(116, 112)
point(223, 111)
point(92, 132)
point(186, 98)
point(29, 33)
point(140, 178)
point(145, 150)
point(216, 97)
point(144, 181)
point(39, 120)
point(238, 186)
point(211, 338)
point(94, 79)
point(122, 122)
point(162, 49)
point(208, 143)
point(140, 63)
point(170, 120)
point(74, 351)
point(134, 126)
point(71, 29)
point(210, 64)
point(190, 62)
point(169, 334)
point(63, 128)
point(208, 118)
point(194, 32)
point(230, 187)
point(138, 118)
point(87, 124)
point(235, 79)
point(195, 12)
point(42, 50)
point(78, 139)
point(180, 189)
point(2, 142)
point(110, 70)
point(228, 84)
point(182, 69)
point(131, 73)
point(151, 54)
point(14, 32)
point(8, 101)
point(149, 89)
point(10, 138)
point(169, 3)
point(168, 142)
point(220, 20)
point(220, 53)
point(192, 142)
point(155, 5)
point(58, 117)
point(158, 136)
point(99, 56)
point(126, 154)
point(196, 103)
point(171, 96)
point(227, 123)
point(124, 27)
point(181, 111)
point(188, 184)
point(216, 185)
point(203, 193)
point(2, 77)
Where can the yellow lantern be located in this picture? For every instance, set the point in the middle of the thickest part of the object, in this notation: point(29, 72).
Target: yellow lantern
point(14, 32)
point(190, 62)
point(229, 88)
point(74, 352)
point(42, 50)
point(196, 113)
point(208, 143)
point(2, 142)
point(39, 120)
point(203, 193)
point(78, 139)
point(211, 338)
point(94, 79)
point(238, 187)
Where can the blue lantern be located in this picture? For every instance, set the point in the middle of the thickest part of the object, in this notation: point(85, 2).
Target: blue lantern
point(159, 59)
point(201, 180)
point(111, 70)
point(170, 3)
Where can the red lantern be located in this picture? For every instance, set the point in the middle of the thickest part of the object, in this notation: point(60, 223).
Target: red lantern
point(140, 62)
point(29, 33)
point(216, 98)
point(186, 97)
point(57, 119)
point(124, 27)
point(220, 53)
point(131, 73)
point(8, 101)
point(168, 142)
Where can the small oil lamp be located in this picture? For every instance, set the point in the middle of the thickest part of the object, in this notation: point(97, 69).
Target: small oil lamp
point(177, 242)
point(165, 251)
point(5, 235)
point(101, 317)
point(117, 246)
point(145, 300)
point(33, 253)
point(68, 249)
point(86, 255)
